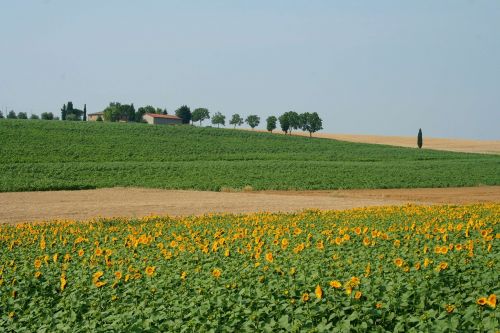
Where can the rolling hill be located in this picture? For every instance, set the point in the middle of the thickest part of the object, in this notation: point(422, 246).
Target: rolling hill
point(56, 155)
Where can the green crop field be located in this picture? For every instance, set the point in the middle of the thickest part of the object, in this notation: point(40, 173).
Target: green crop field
point(56, 155)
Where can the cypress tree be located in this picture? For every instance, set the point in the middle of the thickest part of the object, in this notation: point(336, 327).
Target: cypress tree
point(84, 112)
point(419, 139)
point(63, 112)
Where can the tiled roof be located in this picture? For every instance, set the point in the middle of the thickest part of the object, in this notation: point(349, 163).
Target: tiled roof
point(96, 114)
point(166, 116)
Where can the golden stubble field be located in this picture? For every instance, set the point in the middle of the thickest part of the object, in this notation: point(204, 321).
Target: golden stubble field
point(457, 145)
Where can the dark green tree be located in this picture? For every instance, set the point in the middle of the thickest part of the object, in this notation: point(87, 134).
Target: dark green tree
point(253, 121)
point(219, 119)
point(200, 114)
point(22, 115)
point(112, 112)
point(311, 122)
point(271, 123)
point(1, 115)
point(84, 112)
point(34, 117)
point(236, 120)
point(68, 112)
point(128, 111)
point(420, 140)
point(284, 123)
point(63, 112)
point(47, 116)
point(294, 120)
point(11, 115)
point(119, 112)
point(184, 112)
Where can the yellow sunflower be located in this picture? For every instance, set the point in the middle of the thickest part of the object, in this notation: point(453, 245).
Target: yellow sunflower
point(318, 292)
point(150, 270)
point(335, 284)
point(216, 273)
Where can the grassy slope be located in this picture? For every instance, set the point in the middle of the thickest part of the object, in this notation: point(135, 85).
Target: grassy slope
point(48, 155)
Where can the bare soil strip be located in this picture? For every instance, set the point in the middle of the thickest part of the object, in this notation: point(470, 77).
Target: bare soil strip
point(135, 202)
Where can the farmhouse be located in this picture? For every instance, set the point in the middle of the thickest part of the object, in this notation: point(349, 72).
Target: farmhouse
point(94, 116)
point(161, 119)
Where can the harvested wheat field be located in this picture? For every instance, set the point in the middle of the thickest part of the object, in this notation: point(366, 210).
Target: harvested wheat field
point(135, 202)
point(458, 145)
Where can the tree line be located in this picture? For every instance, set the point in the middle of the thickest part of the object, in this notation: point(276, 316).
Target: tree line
point(308, 122)
point(115, 111)
point(23, 115)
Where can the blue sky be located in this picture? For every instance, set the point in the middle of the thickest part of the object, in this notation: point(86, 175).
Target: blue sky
point(367, 67)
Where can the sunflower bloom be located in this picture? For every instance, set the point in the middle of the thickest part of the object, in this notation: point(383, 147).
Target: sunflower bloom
point(216, 273)
point(97, 275)
point(358, 295)
point(38, 263)
point(118, 275)
point(492, 301)
point(81, 252)
point(269, 257)
point(99, 284)
point(318, 292)
point(38, 274)
point(482, 301)
point(305, 297)
point(399, 262)
point(335, 284)
point(63, 282)
point(150, 270)
point(442, 266)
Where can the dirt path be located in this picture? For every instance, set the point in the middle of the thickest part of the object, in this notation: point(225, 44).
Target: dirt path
point(132, 202)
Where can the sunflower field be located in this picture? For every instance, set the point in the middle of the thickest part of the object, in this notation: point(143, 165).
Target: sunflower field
point(398, 269)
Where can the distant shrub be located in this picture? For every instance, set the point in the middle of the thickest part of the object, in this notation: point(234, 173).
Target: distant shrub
point(47, 116)
point(22, 115)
